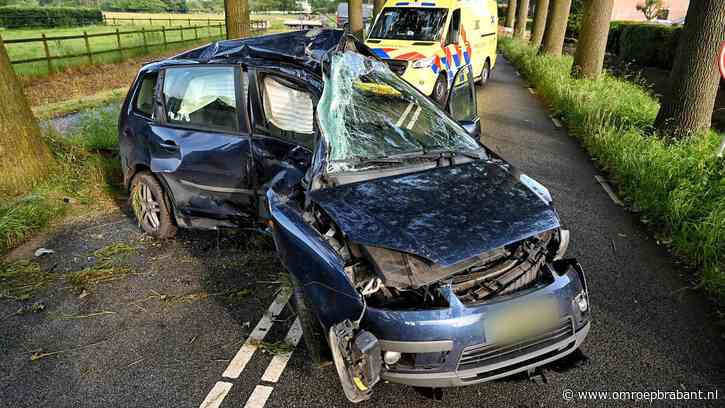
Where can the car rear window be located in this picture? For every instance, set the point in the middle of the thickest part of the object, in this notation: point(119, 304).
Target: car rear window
point(145, 98)
point(201, 97)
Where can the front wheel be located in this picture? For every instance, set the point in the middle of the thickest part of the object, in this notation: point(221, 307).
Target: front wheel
point(440, 90)
point(151, 206)
point(314, 336)
point(485, 73)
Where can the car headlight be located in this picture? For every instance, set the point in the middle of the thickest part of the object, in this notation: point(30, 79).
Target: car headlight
point(423, 63)
point(537, 188)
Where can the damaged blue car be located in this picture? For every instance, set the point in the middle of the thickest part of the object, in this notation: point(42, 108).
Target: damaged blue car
point(417, 255)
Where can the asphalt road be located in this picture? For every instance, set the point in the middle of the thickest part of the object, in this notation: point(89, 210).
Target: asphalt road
point(176, 325)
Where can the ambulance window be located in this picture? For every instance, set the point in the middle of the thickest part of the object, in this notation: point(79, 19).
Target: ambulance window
point(454, 28)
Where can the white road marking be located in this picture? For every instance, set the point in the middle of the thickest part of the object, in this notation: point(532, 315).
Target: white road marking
point(245, 353)
point(414, 117)
point(556, 122)
point(532, 91)
point(279, 361)
point(216, 395)
point(608, 189)
point(259, 396)
point(400, 121)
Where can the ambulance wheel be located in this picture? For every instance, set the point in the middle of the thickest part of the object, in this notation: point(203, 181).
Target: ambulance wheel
point(485, 73)
point(440, 90)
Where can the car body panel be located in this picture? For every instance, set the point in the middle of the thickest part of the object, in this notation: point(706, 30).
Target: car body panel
point(445, 215)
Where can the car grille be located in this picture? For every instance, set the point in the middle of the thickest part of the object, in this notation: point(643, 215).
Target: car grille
point(488, 354)
point(397, 66)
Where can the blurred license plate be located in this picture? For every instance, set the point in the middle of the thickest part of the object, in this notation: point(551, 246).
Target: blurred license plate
point(521, 320)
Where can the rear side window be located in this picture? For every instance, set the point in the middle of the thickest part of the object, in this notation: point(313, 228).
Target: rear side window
point(145, 98)
point(202, 97)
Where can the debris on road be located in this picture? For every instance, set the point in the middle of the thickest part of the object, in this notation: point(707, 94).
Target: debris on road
point(43, 251)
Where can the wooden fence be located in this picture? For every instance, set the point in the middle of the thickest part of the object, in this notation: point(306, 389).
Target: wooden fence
point(158, 21)
point(255, 28)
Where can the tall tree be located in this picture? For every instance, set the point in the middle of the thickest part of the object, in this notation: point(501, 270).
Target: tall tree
point(511, 14)
point(522, 17)
point(355, 18)
point(687, 106)
point(589, 55)
point(553, 42)
point(24, 157)
point(540, 13)
point(236, 14)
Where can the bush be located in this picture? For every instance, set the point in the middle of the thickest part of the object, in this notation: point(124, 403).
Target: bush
point(679, 187)
point(16, 17)
point(650, 45)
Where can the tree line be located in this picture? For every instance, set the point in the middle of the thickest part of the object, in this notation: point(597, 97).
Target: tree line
point(687, 107)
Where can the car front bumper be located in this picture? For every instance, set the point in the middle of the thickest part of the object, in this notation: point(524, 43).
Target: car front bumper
point(462, 352)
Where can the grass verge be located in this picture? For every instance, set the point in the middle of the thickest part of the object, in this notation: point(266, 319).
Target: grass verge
point(679, 187)
point(86, 177)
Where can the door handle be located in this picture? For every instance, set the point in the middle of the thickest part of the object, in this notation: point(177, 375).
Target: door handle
point(169, 145)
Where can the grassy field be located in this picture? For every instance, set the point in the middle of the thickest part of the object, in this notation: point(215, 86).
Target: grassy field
point(678, 187)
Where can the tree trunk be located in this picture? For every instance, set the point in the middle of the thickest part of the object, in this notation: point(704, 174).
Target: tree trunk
point(687, 107)
point(589, 55)
point(553, 42)
point(355, 19)
point(511, 14)
point(522, 17)
point(377, 7)
point(24, 157)
point(236, 13)
point(537, 32)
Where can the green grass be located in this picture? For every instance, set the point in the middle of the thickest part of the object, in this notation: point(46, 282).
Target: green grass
point(88, 178)
point(679, 187)
point(64, 47)
point(54, 110)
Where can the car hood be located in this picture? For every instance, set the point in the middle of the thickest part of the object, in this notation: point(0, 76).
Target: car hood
point(446, 215)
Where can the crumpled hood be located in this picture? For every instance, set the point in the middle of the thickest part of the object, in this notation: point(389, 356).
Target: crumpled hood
point(445, 215)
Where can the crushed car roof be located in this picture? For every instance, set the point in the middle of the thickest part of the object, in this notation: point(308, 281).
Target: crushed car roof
point(305, 47)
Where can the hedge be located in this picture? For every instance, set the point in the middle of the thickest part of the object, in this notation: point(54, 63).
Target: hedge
point(17, 17)
point(650, 45)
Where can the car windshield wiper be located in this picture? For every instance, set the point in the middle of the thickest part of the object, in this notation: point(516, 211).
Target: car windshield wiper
point(366, 161)
point(442, 152)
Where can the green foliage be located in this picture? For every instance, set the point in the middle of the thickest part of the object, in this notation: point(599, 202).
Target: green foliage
point(651, 45)
point(85, 177)
point(157, 6)
point(679, 187)
point(275, 5)
point(576, 15)
point(19, 16)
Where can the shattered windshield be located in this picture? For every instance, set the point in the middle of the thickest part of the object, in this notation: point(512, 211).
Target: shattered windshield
point(367, 112)
point(405, 23)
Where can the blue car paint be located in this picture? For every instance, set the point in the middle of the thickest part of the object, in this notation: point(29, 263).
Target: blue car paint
point(446, 214)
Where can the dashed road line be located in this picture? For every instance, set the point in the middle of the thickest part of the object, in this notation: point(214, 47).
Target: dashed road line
point(245, 353)
point(279, 361)
point(259, 396)
point(216, 395)
point(608, 189)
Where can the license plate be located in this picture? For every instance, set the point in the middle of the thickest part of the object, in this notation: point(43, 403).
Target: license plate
point(521, 320)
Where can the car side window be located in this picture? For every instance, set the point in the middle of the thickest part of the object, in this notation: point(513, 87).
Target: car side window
point(454, 28)
point(144, 103)
point(201, 97)
point(288, 109)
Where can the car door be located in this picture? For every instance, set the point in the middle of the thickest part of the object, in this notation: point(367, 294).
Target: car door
point(283, 129)
point(200, 145)
point(462, 101)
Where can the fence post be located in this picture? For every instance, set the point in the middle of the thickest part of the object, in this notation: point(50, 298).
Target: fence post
point(47, 54)
point(221, 31)
point(170, 25)
point(188, 20)
point(181, 30)
point(118, 41)
point(88, 47)
point(150, 22)
point(196, 33)
point(163, 32)
point(145, 44)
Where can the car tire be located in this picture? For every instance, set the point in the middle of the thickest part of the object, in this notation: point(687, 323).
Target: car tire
point(485, 74)
point(440, 90)
point(312, 332)
point(150, 206)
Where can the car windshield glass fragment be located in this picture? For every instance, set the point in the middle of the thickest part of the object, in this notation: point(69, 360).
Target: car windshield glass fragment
point(367, 112)
point(405, 23)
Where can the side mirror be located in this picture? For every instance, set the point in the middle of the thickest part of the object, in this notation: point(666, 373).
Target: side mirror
point(462, 101)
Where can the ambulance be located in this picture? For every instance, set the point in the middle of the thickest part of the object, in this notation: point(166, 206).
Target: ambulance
point(427, 42)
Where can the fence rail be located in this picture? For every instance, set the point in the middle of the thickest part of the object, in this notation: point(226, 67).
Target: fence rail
point(146, 37)
point(150, 20)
